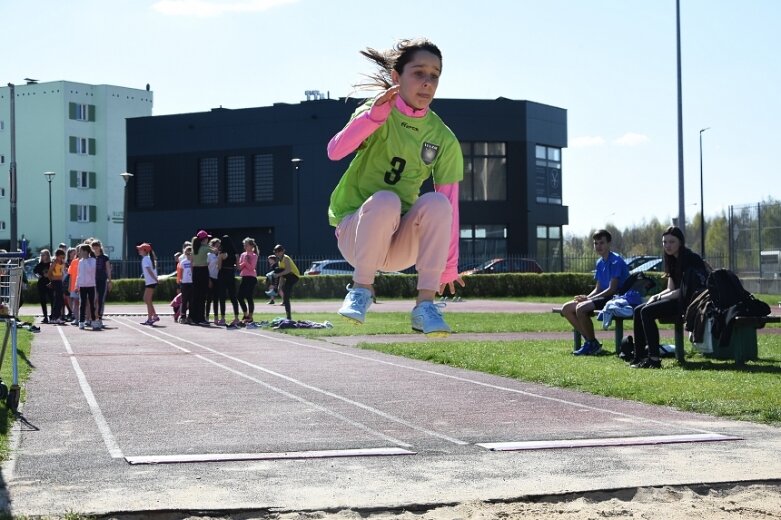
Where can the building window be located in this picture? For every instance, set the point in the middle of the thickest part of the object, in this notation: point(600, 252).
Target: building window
point(2, 192)
point(82, 145)
point(2, 125)
point(263, 176)
point(81, 112)
point(144, 181)
point(83, 213)
point(236, 184)
point(83, 180)
point(2, 159)
point(547, 174)
point(549, 248)
point(485, 171)
point(480, 243)
point(208, 181)
point(2, 225)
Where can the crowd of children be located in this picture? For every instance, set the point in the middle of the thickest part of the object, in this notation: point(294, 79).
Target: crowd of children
point(75, 282)
point(206, 269)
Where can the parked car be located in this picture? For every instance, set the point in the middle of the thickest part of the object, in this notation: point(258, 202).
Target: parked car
point(506, 265)
point(636, 261)
point(656, 265)
point(335, 267)
point(329, 267)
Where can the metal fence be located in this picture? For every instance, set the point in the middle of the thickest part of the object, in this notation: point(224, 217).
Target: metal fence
point(755, 245)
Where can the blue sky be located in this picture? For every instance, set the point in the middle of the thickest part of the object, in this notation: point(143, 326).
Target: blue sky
point(610, 63)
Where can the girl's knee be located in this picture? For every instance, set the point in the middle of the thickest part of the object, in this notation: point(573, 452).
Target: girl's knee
point(384, 201)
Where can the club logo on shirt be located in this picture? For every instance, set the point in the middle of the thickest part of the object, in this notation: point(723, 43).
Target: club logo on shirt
point(429, 152)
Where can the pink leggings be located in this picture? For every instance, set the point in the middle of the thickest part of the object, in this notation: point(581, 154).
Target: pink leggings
point(378, 237)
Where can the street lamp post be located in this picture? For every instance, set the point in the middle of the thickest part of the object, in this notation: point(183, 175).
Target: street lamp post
point(297, 167)
point(49, 177)
point(702, 202)
point(125, 177)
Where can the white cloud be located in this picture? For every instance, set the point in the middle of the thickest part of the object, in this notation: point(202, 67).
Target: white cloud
point(586, 141)
point(631, 139)
point(210, 8)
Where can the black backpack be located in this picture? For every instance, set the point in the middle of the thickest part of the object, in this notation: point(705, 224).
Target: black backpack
point(725, 289)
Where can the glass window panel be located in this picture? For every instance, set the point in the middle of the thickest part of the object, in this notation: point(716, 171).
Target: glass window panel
point(208, 181)
point(554, 154)
point(554, 232)
point(496, 179)
point(542, 232)
point(539, 152)
point(496, 149)
point(480, 148)
point(144, 185)
point(466, 148)
point(263, 166)
point(466, 190)
point(236, 185)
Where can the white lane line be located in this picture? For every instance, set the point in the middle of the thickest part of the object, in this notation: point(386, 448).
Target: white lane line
point(280, 337)
point(342, 398)
point(97, 414)
point(607, 441)
point(269, 386)
point(230, 457)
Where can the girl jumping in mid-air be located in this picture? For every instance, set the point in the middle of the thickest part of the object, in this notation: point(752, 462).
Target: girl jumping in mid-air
point(381, 221)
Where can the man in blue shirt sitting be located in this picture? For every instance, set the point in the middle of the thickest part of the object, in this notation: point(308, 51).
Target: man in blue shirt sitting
point(610, 275)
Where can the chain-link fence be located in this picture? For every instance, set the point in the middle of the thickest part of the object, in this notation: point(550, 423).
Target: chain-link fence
point(755, 245)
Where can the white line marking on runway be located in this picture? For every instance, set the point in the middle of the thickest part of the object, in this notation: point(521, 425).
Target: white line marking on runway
point(269, 386)
point(229, 457)
point(276, 337)
point(366, 407)
point(608, 441)
point(97, 414)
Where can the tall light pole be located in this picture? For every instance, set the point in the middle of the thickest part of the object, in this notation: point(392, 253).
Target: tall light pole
point(49, 177)
point(681, 208)
point(13, 214)
point(125, 177)
point(297, 167)
point(702, 202)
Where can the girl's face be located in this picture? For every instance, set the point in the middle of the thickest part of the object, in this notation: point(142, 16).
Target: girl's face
point(419, 80)
point(96, 250)
point(671, 245)
point(83, 254)
point(248, 247)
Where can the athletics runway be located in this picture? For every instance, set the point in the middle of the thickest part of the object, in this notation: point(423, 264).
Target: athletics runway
point(176, 417)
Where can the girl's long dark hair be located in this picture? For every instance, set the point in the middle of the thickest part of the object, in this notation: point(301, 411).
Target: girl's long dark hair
point(227, 246)
point(672, 265)
point(393, 59)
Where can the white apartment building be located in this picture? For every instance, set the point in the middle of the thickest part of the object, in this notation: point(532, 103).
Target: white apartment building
point(78, 132)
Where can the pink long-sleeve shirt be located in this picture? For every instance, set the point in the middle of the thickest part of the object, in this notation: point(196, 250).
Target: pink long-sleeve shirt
point(350, 138)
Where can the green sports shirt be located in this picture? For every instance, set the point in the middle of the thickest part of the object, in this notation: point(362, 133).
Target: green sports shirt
point(399, 156)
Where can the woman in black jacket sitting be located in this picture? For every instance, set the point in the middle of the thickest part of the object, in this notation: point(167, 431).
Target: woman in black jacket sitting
point(686, 275)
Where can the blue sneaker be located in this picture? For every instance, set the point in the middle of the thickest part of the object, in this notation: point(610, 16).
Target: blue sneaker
point(589, 348)
point(356, 303)
point(427, 318)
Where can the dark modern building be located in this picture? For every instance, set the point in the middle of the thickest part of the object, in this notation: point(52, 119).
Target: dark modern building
point(263, 172)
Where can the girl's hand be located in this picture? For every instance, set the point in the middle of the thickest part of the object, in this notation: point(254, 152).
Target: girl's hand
point(451, 286)
point(383, 104)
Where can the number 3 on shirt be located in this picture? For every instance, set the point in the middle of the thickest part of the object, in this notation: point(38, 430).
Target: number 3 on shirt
point(393, 175)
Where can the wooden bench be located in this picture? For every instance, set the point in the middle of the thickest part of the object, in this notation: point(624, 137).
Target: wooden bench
point(742, 346)
point(577, 337)
point(743, 340)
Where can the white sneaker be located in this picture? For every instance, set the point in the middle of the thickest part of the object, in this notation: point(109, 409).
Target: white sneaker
point(95, 324)
point(356, 303)
point(81, 325)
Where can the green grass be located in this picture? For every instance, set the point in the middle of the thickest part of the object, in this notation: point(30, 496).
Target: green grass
point(23, 342)
point(751, 392)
